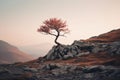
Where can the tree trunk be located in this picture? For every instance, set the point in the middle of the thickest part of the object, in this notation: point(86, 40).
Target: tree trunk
point(58, 34)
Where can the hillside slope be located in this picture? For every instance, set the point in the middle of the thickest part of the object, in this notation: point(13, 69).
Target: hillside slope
point(11, 54)
point(98, 59)
point(111, 36)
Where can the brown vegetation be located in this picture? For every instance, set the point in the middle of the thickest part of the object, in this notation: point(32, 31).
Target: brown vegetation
point(91, 59)
point(111, 36)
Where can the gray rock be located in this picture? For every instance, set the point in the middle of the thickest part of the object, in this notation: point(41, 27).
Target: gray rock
point(59, 72)
point(46, 67)
point(50, 53)
point(96, 49)
point(68, 56)
point(114, 48)
point(64, 69)
point(91, 69)
point(83, 53)
point(99, 47)
point(30, 69)
point(50, 66)
point(4, 70)
point(88, 75)
point(116, 73)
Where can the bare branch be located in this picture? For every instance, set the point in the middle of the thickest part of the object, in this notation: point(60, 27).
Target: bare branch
point(52, 34)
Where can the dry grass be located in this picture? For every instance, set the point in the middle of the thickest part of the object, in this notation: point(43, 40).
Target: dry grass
point(111, 36)
point(101, 58)
point(90, 59)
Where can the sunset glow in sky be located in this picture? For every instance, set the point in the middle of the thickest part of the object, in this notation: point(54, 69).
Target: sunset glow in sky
point(20, 19)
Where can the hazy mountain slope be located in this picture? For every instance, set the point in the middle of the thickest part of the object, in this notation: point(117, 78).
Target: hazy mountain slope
point(11, 54)
point(111, 36)
point(37, 50)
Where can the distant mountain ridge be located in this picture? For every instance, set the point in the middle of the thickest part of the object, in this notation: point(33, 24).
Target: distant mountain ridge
point(11, 54)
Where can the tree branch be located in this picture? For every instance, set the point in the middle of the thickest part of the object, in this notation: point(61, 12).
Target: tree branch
point(52, 34)
point(58, 34)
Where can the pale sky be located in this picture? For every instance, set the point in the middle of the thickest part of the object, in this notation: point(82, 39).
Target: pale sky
point(19, 19)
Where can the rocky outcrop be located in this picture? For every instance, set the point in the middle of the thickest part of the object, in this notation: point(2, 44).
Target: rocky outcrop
point(68, 51)
point(79, 48)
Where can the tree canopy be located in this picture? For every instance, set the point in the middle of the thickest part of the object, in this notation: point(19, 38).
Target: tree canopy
point(55, 27)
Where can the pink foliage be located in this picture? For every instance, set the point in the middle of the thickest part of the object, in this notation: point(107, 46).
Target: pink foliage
point(53, 24)
point(55, 27)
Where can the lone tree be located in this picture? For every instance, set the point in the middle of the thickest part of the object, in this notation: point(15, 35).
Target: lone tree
point(55, 27)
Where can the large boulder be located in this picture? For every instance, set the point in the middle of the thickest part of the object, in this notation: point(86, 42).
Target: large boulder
point(57, 52)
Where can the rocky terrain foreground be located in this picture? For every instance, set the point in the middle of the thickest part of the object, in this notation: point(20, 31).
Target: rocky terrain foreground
point(79, 61)
point(82, 60)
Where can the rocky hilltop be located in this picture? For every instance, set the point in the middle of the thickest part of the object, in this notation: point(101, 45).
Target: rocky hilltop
point(79, 48)
point(108, 42)
point(82, 60)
